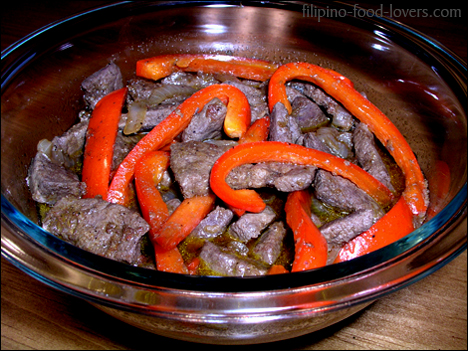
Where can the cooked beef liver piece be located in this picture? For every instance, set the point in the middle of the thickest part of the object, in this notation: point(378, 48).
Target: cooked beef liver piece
point(208, 123)
point(48, 181)
point(191, 163)
point(341, 193)
point(214, 224)
point(341, 230)
point(311, 140)
point(341, 118)
point(298, 178)
point(250, 225)
point(368, 155)
point(284, 176)
point(101, 83)
point(95, 225)
point(270, 243)
point(283, 127)
point(226, 264)
point(67, 149)
point(309, 115)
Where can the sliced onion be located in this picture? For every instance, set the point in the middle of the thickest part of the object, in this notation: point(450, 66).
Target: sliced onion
point(136, 116)
point(337, 143)
point(168, 91)
point(44, 146)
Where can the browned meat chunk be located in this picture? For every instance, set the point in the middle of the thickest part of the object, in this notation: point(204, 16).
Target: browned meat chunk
point(250, 225)
point(368, 155)
point(283, 127)
point(227, 264)
point(308, 114)
point(341, 193)
point(153, 117)
point(341, 230)
point(153, 94)
point(101, 83)
point(283, 176)
point(270, 243)
point(49, 182)
point(208, 123)
point(341, 118)
point(311, 140)
point(95, 225)
point(191, 163)
point(214, 224)
point(67, 149)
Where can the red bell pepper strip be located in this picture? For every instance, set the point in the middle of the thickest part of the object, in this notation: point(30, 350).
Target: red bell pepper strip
point(311, 249)
point(277, 269)
point(415, 192)
point(170, 260)
point(394, 225)
point(237, 119)
point(276, 151)
point(100, 140)
point(148, 173)
point(161, 66)
point(193, 265)
point(258, 131)
point(184, 220)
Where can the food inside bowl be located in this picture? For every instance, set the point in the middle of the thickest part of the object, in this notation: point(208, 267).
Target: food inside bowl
point(160, 172)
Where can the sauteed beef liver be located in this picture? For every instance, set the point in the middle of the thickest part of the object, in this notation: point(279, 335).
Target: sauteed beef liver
point(49, 181)
point(269, 246)
point(101, 83)
point(283, 176)
point(98, 226)
point(191, 163)
point(368, 155)
point(224, 263)
point(207, 124)
point(226, 243)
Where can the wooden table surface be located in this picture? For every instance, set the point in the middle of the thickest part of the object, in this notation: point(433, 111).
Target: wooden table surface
point(430, 314)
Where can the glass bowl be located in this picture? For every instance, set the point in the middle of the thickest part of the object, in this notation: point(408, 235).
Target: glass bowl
point(419, 84)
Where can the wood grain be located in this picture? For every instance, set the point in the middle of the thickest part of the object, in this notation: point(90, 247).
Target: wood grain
point(430, 314)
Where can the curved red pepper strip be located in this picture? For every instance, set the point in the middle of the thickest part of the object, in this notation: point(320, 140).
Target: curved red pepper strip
point(284, 152)
point(258, 131)
point(237, 118)
point(161, 66)
point(394, 225)
point(311, 249)
point(184, 220)
point(100, 140)
point(148, 173)
point(415, 192)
